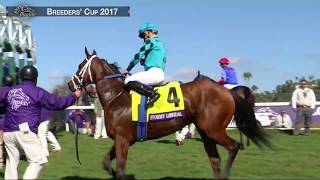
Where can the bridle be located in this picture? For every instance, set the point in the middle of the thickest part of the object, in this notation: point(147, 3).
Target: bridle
point(87, 67)
point(80, 75)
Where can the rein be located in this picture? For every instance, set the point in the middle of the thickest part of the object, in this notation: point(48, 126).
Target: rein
point(84, 85)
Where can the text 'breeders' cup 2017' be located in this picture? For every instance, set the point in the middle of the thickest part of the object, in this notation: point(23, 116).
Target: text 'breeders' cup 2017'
point(67, 11)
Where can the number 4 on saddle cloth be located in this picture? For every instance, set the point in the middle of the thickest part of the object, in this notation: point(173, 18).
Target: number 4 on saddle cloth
point(170, 105)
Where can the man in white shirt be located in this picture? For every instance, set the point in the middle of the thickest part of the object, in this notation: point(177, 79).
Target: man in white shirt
point(303, 102)
point(283, 120)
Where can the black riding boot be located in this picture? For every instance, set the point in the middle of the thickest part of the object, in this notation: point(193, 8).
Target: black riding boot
point(144, 90)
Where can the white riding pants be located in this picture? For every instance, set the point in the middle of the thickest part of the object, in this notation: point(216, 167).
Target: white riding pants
point(45, 135)
point(152, 76)
point(30, 144)
point(230, 86)
point(53, 141)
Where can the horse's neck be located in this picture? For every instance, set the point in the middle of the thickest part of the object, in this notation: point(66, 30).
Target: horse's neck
point(109, 89)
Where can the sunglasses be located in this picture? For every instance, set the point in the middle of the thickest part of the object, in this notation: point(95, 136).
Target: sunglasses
point(141, 35)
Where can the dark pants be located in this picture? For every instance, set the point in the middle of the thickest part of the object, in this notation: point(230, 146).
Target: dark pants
point(304, 114)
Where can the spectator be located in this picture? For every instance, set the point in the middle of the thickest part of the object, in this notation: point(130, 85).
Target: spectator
point(100, 125)
point(303, 102)
point(283, 120)
point(86, 100)
point(186, 132)
point(23, 105)
point(78, 117)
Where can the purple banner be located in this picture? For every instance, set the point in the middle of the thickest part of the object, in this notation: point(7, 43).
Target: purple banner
point(271, 112)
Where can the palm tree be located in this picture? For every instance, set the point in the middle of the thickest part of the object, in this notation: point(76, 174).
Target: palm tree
point(247, 76)
point(254, 88)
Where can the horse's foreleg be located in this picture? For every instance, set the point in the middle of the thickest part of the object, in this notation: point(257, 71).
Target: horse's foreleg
point(212, 151)
point(107, 161)
point(122, 146)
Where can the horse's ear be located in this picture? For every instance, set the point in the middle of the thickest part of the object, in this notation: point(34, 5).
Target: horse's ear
point(94, 52)
point(198, 72)
point(86, 51)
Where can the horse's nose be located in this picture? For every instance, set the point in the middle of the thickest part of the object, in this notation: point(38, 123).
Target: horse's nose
point(71, 86)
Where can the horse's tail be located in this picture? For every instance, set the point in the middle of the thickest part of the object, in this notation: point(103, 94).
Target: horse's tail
point(245, 117)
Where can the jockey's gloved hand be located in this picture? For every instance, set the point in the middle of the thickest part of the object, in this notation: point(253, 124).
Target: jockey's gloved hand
point(125, 72)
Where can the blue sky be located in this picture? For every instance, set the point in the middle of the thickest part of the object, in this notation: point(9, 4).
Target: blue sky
point(274, 40)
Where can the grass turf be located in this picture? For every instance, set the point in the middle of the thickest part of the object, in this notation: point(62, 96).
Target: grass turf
point(294, 157)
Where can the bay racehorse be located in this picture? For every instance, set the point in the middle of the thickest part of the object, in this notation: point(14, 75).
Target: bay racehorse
point(208, 105)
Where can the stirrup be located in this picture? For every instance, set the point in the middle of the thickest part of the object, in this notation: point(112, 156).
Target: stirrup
point(151, 102)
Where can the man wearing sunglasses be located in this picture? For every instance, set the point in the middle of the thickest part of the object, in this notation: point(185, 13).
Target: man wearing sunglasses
point(303, 102)
point(152, 56)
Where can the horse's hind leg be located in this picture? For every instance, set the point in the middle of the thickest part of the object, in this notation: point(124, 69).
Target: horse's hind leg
point(231, 145)
point(212, 151)
point(241, 141)
point(107, 161)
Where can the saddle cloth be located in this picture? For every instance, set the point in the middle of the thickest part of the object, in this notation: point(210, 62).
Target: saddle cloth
point(169, 105)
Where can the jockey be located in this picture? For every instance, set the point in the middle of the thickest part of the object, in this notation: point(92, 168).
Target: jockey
point(229, 76)
point(152, 56)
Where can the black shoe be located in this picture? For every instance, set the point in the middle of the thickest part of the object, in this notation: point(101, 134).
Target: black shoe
point(153, 98)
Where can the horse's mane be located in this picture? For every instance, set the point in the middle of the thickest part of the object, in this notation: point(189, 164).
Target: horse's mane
point(201, 76)
point(114, 66)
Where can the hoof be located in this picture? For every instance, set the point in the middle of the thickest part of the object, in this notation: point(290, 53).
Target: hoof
point(179, 143)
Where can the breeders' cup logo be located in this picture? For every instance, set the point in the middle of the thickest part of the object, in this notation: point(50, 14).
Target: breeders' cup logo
point(17, 98)
point(24, 11)
point(266, 110)
point(316, 112)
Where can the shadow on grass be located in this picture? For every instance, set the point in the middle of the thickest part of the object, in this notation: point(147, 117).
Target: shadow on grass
point(172, 142)
point(129, 177)
point(1, 174)
point(165, 141)
point(176, 178)
point(286, 131)
point(198, 139)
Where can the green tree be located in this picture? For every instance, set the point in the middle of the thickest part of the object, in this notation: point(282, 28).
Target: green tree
point(283, 92)
point(254, 88)
point(247, 76)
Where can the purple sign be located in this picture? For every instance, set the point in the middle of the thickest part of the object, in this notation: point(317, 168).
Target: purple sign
point(275, 110)
point(166, 116)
